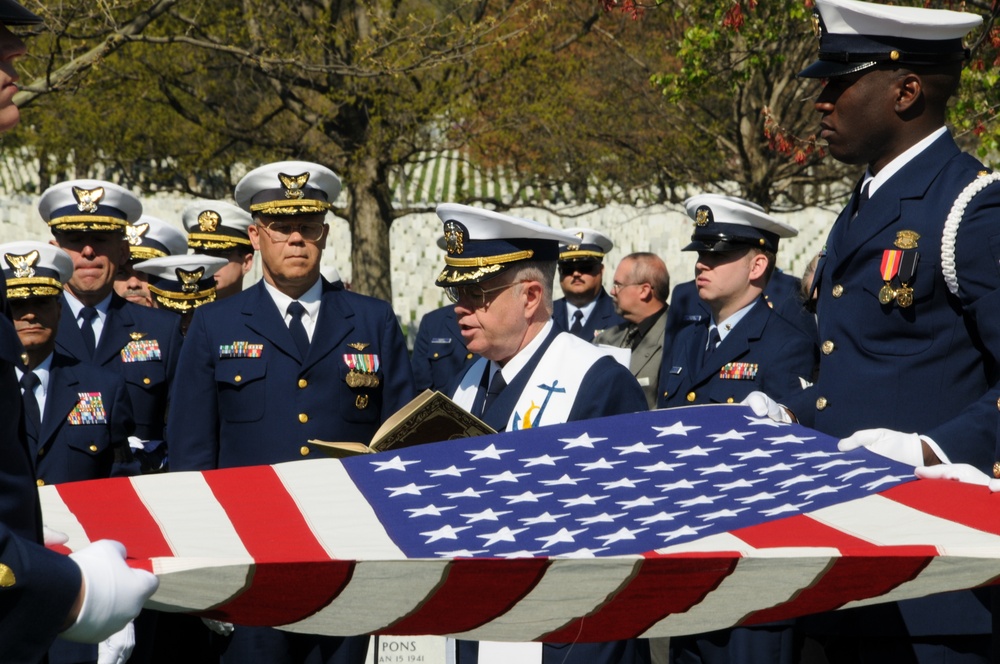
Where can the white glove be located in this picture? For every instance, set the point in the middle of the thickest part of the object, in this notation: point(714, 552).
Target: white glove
point(117, 648)
point(959, 472)
point(219, 627)
point(113, 592)
point(902, 447)
point(762, 405)
point(52, 537)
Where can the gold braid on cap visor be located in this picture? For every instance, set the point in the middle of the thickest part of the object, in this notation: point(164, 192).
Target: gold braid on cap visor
point(293, 206)
point(215, 241)
point(183, 301)
point(583, 253)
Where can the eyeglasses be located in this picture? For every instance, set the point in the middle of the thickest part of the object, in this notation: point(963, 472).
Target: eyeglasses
point(569, 267)
point(615, 286)
point(475, 295)
point(280, 231)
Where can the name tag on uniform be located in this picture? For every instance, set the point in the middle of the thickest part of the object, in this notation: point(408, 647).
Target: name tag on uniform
point(693, 318)
point(441, 340)
point(88, 410)
point(738, 371)
point(141, 350)
point(676, 370)
point(240, 349)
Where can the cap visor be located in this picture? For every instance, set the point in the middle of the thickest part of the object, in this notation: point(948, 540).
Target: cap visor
point(12, 13)
point(830, 69)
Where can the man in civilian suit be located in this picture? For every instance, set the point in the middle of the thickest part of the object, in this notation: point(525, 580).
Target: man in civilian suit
point(88, 219)
point(499, 272)
point(640, 291)
point(585, 309)
point(291, 359)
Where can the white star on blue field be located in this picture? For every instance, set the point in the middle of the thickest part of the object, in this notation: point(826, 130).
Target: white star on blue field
point(622, 485)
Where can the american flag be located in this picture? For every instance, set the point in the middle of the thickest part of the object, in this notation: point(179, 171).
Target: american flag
point(654, 524)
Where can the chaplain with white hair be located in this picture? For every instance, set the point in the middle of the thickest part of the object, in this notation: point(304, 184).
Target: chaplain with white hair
point(499, 271)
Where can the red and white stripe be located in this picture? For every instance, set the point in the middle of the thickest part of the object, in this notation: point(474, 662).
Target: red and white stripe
point(297, 546)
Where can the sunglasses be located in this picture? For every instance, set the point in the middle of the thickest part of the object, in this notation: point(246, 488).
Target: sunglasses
point(583, 267)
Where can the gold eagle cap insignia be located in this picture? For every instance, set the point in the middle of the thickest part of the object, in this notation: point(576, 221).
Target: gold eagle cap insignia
point(454, 238)
point(189, 279)
point(359, 345)
point(24, 264)
point(703, 216)
point(293, 184)
point(135, 336)
point(576, 247)
point(87, 199)
point(135, 233)
point(208, 221)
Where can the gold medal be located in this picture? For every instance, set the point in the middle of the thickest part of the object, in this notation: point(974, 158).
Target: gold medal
point(374, 380)
point(904, 297)
point(887, 294)
point(355, 378)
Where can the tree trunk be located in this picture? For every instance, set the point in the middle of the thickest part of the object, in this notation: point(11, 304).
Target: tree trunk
point(370, 214)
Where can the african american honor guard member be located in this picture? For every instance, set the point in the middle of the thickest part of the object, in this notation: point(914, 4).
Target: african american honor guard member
point(92, 593)
point(149, 237)
point(291, 359)
point(908, 291)
point(585, 309)
point(744, 345)
point(217, 228)
point(499, 272)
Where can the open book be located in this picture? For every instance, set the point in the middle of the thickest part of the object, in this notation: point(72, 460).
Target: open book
point(429, 418)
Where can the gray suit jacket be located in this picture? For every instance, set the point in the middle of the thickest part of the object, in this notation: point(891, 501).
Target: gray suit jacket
point(646, 358)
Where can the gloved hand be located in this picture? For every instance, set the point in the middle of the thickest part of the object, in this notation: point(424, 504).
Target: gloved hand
point(219, 627)
point(902, 447)
point(959, 472)
point(113, 592)
point(762, 405)
point(117, 648)
point(52, 537)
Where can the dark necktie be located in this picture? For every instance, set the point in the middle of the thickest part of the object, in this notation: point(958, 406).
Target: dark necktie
point(87, 328)
point(862, 197)
point(28, 382)
point(497, 383)
point(631, 337)
point(713, 340)
point(298, 330)
point(577, 326)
